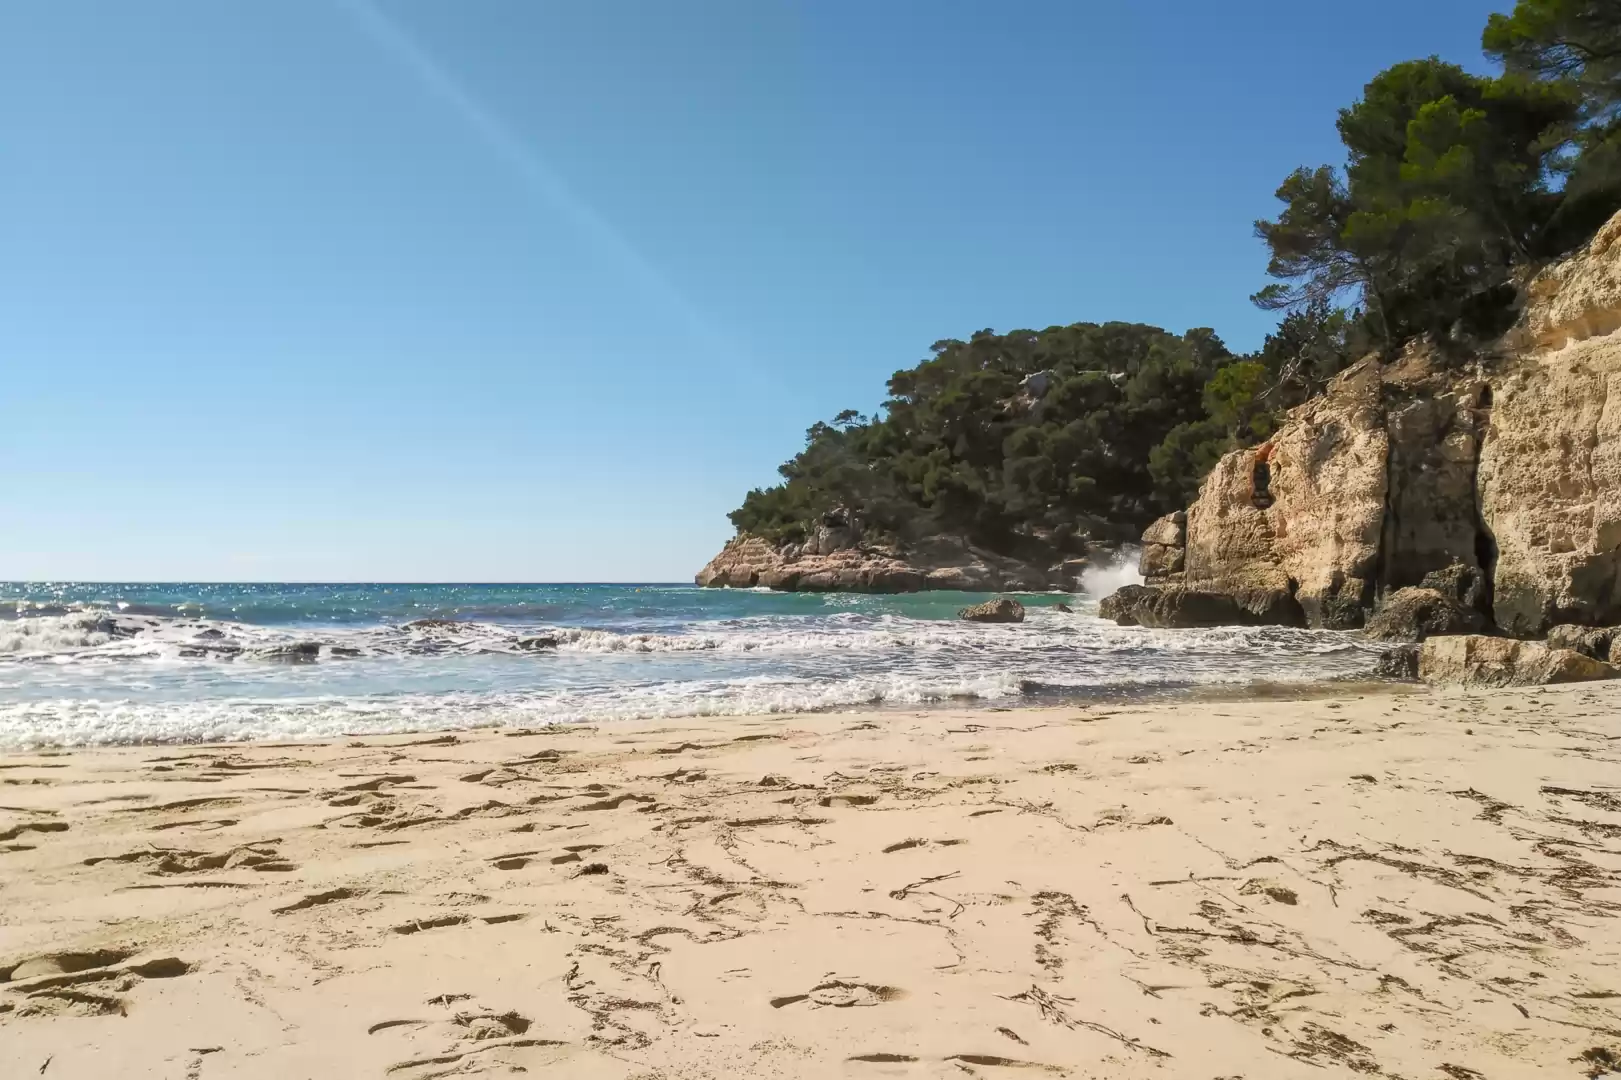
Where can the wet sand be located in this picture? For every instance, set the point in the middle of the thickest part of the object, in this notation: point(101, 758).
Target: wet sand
point(1397, 883)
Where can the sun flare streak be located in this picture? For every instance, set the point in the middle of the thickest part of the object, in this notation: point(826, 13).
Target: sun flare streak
point(388, 35)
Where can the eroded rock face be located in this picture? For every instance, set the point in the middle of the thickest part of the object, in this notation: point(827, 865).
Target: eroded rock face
point(1474, 660)
point(1164, 547)
point(1300, 516)
point(1500, 473)
point(1550, 470)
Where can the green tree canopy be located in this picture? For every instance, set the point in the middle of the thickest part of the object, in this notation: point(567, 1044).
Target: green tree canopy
point(1575, 41)
point(1448, 187)
point(1575, 44)
point(1005, 434)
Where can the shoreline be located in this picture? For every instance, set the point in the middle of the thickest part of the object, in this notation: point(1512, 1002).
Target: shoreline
point(1268, 689)
point(1393, 883)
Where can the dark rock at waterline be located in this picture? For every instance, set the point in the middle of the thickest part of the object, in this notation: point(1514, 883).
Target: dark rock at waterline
point(1416, 613)
point(532, 644)
point(113, 628)
point(1065, 608)
point(1173, 606)
point(301, 652)
point(218, 650)
point(1000, 610)
point(344, 651)
point(1400, 663)
point(435, 624)
point(1467, 585)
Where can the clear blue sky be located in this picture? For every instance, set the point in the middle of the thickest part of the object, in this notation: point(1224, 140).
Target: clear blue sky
point(535, 290)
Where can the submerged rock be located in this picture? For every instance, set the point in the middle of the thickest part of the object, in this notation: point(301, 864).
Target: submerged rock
point(1000, 610)
point(436, 624)
point(1476, 660)
point(222, 650)
point(301, 652)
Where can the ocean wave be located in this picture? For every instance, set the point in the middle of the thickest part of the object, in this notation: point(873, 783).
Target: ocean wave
point(86, 672)
point(100, 636)
point(76, 722)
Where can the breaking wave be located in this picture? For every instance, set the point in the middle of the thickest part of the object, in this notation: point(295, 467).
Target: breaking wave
point(114, 669)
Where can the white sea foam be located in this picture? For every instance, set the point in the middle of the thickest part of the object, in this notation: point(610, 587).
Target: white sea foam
point(46, 634)
point(100, 676)
point(69, 722)
point(91, 637)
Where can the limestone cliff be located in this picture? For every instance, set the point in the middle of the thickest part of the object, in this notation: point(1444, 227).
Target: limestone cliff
point(1506, 465)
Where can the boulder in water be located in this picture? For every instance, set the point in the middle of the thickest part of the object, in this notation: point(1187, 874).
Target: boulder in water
point(435, 624)
point(1000, 610)
point(1173, 606)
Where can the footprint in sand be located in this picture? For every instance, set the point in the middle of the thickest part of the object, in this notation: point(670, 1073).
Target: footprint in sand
point(847, 800)
point(517, 860)
point(1272, 890)
point(331, 896)
point(35, 827)
point(263, 858)
point(918, 842)
point(842, 994)
point(49, 983)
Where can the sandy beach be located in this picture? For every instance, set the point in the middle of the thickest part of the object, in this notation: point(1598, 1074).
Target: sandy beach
point(1389, 882)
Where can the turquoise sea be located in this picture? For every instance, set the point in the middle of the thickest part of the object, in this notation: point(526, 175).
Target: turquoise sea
point(107, 663)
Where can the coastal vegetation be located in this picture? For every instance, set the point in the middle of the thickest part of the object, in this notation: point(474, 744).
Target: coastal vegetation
point(1455, 186)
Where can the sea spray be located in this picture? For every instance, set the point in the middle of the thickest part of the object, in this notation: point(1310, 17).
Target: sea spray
point(1103, 580)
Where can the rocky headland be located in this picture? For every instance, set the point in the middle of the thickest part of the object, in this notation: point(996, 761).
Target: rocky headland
point(837, 557)
point(1437, 494)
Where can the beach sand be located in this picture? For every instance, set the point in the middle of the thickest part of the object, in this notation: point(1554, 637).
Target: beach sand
point(1390, 882)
